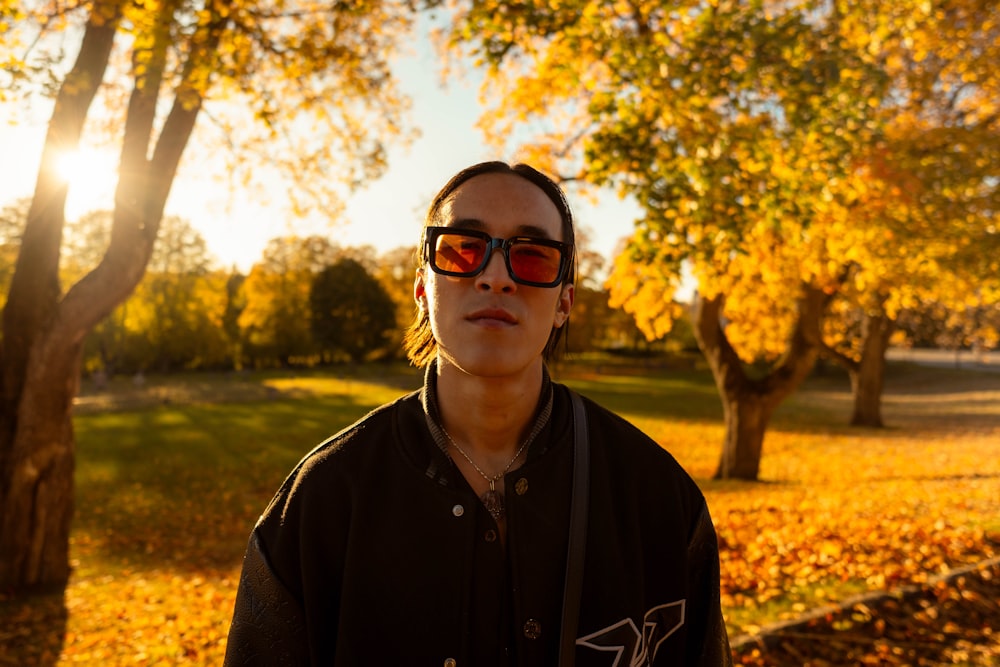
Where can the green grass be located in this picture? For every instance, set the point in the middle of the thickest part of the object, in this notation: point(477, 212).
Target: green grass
point(205, 468)
point(794, 601)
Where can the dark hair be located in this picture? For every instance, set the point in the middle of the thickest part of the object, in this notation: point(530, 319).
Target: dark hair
point(419, 343)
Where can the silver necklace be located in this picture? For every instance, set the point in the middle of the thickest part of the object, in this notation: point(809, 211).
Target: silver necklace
point(492, 499)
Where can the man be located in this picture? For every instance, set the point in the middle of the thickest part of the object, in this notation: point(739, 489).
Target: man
point(434, 531)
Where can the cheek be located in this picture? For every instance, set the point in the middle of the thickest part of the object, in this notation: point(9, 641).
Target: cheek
point(437, 299)
point(546, 315)
point(433, 290)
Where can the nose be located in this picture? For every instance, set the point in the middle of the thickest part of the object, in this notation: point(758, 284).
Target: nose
point(495, 276)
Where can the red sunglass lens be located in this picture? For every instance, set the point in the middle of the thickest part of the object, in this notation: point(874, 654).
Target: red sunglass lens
point(535, 263)
point(456, 253)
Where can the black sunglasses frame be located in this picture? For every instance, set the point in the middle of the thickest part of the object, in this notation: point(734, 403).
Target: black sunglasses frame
point(431, 235)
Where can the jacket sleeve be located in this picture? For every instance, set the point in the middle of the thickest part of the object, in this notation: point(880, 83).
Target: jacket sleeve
point(268, 626)
point(708, 642)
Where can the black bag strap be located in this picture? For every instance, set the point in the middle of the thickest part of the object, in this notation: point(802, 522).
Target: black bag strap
point(579, 501)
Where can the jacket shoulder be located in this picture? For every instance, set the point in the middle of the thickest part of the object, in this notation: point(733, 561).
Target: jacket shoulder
point(339, 459)
point(358, 438)
point(638, 465)
point(623, 438)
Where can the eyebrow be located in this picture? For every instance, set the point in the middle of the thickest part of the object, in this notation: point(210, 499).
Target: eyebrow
point(522, 230)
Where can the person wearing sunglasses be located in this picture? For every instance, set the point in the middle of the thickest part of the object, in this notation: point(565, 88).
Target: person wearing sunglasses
point(494, 517)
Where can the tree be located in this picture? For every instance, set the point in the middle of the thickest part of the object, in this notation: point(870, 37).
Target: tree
point(171, 320)
point(594, 323)
point(726, 123)
point(275, 319)
point(937, 325)
point(178, 306)
point(235, 304)
point(395, 271)
point(926, 192)
point(282, 64)
point(352, 314)
point(755, 137)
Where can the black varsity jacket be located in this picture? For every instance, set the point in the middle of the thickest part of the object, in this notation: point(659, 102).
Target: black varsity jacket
point(375, 551)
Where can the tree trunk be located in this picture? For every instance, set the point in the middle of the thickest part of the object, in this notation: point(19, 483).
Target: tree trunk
point(39, 356)
point(868, 375)
point(44, 331)
point(749, 403)
point(38, 496)
point(746, 416)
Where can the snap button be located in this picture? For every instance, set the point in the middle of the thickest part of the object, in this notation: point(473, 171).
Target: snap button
point(450, 662)
point(491, 535)
point(458, 510)
point(521, 487)
point(532, 629)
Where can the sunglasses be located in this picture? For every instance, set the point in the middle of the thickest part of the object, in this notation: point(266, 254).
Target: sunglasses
point(464, 253)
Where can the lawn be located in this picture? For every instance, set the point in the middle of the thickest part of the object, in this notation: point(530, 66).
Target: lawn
point(171, 476)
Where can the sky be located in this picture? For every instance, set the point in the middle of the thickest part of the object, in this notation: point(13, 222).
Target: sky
point(386, 214)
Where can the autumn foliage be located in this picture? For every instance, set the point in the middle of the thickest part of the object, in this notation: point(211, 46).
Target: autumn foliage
point(777, 150)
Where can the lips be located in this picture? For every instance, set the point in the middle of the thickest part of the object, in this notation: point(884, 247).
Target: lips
point(491, 316)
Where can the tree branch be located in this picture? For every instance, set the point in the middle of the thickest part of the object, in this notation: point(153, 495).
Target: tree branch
point(142, 193)
point(806, 342)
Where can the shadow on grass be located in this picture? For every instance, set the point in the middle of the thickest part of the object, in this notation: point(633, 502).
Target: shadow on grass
point(716, 486)
point(33, 629)
point(688, 395)
point(182, 485)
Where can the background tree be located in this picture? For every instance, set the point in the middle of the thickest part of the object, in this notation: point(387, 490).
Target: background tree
point(395, 271)
point(275, 320)
point(936, 325)
point(352, 314)
point(752, 136)
point(182, 320)
point(593, 324)
point(235, 304)
point(173, 320)
point(926, 192)
point(300, 70)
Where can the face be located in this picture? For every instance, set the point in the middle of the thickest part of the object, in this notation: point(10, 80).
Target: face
point(488, 325)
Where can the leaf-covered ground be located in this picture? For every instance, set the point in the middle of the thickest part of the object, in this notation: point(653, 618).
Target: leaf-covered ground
point(950, 621)
point(169, 486)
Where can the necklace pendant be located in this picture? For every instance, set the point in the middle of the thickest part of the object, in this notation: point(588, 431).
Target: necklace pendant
point(493, 502)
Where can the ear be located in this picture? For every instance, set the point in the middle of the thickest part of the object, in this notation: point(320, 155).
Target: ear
point(564, 305)
point(420, 290)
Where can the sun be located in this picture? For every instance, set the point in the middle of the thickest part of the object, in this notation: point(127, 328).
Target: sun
point(92, 176)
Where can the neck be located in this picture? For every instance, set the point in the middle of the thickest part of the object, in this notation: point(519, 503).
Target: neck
point(489, 417)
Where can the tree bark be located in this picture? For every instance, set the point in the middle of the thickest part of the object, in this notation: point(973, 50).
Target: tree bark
point(39, 371)
point(867, 372)
point(747, 415)
point(868, 375)
point(749, 403)
point(38, 495)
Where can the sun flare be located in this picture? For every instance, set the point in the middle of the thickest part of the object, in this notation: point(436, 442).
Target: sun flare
point(92, 175)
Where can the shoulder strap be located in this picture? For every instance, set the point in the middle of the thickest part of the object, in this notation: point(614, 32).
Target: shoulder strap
point(579, 501)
